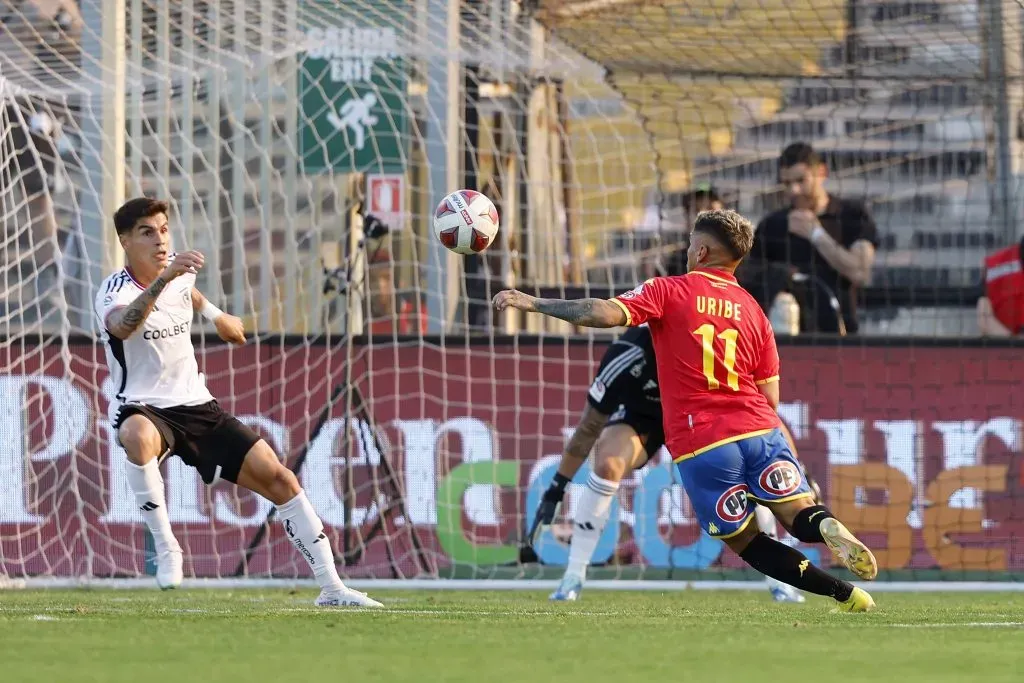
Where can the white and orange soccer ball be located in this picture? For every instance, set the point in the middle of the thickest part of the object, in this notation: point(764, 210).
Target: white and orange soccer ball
point(466, 222)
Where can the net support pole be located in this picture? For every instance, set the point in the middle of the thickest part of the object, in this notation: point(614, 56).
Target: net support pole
point(186, 189)
point(296, 316)
point(1004, 73)
point(239, 130)
point(135, 154)
point(443, 274)
point(545, 224)
point(267, 302)
point(103, 140)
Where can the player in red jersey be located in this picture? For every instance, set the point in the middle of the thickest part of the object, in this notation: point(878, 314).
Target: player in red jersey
point(718, 368)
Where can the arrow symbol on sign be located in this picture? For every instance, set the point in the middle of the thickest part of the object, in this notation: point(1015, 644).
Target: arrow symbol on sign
point(356, 116)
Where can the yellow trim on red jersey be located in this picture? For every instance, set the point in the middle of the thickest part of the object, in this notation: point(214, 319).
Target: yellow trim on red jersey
point(720, 279)
point(780, 500)
point(629, 318)
point(743, 526)
point(705, 449)
point(767, 380)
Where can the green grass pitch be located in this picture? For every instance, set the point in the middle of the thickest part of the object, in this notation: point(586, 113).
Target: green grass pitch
point(489, 637)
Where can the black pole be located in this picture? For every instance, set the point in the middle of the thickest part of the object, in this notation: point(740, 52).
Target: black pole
point(348, 556)
point(850, 56)
point(477, 309)
point(397, 497)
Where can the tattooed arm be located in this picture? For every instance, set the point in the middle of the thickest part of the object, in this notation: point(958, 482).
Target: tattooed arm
point(582, 441)
point(122, 322)
point(585, 312)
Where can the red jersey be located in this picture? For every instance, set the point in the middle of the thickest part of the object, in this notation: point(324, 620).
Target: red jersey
point(713, 346)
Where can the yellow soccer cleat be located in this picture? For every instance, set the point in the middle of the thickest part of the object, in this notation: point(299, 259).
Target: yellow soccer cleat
point(848, 549)
point(859, 601)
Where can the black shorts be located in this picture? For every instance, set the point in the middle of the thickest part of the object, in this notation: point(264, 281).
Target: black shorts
point(205, 437)
point(647, 426)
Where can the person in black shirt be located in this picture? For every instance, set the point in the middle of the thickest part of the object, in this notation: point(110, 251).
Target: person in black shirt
point(829, 240)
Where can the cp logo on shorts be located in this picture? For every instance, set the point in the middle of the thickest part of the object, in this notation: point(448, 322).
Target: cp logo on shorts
point(732, 504)
point(780, 478)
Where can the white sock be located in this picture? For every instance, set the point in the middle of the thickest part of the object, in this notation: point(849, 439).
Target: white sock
point(591, 516)
point(148, 486)
point(769, 525)
point(766, 522)
point(306, 532)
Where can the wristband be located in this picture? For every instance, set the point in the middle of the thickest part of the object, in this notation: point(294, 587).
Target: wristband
point(818, 234)
point(560, 482)
point(210, 312)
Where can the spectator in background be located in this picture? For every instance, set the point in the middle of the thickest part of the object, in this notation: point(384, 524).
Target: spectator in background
point(830, 242)
point(390, 312)
point(1001, 308)
point(676, 211)
point(679, 213)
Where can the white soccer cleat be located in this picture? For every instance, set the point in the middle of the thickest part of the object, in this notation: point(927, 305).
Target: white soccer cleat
point(169, 569)
point(345, 597)
point(568, 590)
point(782, 592)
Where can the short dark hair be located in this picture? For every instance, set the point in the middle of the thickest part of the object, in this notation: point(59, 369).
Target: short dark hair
point(730, 229)
point(688, 198)
point(799, 153)
point(702, 192)
point(132, 210)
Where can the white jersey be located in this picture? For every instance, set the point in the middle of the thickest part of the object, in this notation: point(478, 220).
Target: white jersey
point(156, 365)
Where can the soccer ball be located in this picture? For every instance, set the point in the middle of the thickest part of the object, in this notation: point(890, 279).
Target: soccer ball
point(466, 222)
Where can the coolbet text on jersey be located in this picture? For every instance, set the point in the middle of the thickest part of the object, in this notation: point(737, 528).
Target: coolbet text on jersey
point(157, 364)
point(714, 345)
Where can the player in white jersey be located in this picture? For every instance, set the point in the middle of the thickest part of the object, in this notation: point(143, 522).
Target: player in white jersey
point(162, 406)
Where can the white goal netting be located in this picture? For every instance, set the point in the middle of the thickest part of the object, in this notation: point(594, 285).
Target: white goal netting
point(423, 427)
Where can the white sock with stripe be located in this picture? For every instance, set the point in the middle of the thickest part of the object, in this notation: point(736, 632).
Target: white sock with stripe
point(591, 516)
point(148, 487)
point(306, 532)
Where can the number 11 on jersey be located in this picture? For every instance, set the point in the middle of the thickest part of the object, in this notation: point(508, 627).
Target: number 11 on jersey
point(706, 332)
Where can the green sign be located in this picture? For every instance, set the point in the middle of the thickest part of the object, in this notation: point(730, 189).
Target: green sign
point(450, 492)
point(352, 87)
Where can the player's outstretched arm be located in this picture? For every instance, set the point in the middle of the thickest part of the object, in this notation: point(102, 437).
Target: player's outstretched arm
point(585, 312)
point(229, 327)
point(122, 322)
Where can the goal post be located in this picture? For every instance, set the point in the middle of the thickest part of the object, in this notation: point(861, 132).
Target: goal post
point(303, 146)
point(103, 126)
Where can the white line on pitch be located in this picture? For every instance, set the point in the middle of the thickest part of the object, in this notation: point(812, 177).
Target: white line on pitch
point(968, 624)
point(445, 612)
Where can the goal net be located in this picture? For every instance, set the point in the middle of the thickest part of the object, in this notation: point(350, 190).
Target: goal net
point(303, 146)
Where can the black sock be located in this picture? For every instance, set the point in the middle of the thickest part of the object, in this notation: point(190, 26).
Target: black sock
point(807, 521)
point(789, 565)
